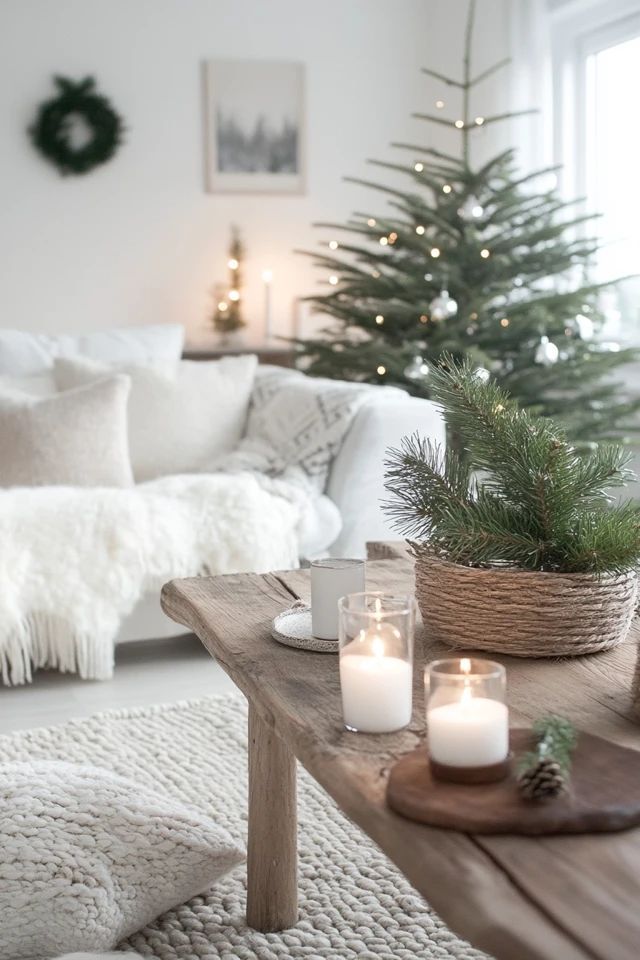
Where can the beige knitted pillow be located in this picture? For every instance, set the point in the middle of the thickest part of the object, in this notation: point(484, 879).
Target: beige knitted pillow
point(76, 438)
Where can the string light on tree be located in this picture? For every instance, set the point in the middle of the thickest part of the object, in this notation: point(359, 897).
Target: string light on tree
point(479, 121)
point(420, 230)
point(371, 222)
point(333, 244)
point(439, 104)
point(459, 124)
point(379, 319)
point(504, 322)
point(485, 253)
point(383, 241)
point(435, 252)
point(381, 370)
point(333, 280)
point(446, 188)
point(418, 167)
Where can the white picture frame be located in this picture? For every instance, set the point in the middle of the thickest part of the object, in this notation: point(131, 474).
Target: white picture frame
point(255, 129)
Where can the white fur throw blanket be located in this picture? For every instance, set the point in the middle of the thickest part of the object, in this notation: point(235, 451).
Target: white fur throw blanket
point(74, 562)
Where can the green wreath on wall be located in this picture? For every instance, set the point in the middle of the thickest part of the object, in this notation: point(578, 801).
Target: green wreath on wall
point(51, 132)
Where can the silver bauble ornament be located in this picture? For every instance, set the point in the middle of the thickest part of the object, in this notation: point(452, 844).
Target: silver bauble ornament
point(418, 369)
point(481, 374)
point(471, 209)
point(546, 352)
point(443, 306)
point(584, 326)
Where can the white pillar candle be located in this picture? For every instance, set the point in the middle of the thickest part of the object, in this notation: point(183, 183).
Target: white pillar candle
point(267, 276)
point(472, 732)
point(331, 579)
point(376, 692)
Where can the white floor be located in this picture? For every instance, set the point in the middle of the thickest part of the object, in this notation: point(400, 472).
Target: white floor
point(151, 671)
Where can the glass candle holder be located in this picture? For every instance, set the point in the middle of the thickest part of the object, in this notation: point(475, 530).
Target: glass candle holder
point(376, 661)
point(467, 720)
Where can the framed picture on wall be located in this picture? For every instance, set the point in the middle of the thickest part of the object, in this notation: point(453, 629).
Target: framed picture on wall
point(254, 126)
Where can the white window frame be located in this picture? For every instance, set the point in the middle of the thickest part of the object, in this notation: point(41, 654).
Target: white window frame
point(579, 28)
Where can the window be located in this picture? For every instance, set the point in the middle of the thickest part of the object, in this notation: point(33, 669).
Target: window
point(596, 80)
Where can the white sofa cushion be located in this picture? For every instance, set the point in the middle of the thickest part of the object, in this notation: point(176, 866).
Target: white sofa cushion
point(36, 385)
point(88, 857)
point(78, 438)
point(356, 482)
point(176, 424)
point(25, 354)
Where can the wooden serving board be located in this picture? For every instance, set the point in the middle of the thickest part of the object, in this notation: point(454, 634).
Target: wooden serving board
point(603, 795)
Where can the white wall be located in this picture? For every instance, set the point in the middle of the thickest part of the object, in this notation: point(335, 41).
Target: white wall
point(139, 240)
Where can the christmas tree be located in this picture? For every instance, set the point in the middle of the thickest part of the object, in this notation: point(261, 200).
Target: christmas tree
point(228, 313)
point(480, 262)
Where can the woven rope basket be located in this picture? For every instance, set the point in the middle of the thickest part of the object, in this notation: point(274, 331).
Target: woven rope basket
point(523, 613)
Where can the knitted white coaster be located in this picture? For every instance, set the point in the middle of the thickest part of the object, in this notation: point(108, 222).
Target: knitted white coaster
point(292, 627)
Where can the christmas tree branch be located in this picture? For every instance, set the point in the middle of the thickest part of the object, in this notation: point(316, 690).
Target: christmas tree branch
point(499, 117)
point(490, 70)
point(441, 76)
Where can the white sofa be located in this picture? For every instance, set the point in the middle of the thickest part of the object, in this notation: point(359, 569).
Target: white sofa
point(208, 466)
point(356, 486)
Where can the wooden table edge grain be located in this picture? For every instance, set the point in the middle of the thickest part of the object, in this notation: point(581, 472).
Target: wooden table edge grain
point(477, 887)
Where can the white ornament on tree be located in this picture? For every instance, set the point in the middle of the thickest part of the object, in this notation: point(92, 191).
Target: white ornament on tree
point(481, 374)
point(546, 353)
point(418, 369)
point(585, 326)
point(443, 306)
point(471, 209)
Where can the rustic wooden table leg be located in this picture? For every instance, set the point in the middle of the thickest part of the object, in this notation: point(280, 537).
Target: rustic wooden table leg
point(272, 861)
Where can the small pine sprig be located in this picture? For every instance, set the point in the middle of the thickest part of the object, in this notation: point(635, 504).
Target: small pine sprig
point(544, 772)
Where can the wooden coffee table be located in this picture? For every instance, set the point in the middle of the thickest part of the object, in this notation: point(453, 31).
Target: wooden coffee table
point(518, 898)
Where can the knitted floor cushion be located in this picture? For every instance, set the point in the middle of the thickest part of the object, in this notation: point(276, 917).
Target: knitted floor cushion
point(353, 902)
point(88, 857)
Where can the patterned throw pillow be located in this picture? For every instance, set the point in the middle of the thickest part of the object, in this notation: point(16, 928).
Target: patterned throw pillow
point(88, 857)
point(297, 423)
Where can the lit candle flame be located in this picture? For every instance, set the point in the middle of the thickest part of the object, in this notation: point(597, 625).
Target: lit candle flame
point(465, 668)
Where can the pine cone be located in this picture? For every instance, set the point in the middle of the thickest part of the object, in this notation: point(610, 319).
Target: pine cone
point(543, 781)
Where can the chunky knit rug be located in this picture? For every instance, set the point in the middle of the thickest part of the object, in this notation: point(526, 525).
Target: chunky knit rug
point(353, 902)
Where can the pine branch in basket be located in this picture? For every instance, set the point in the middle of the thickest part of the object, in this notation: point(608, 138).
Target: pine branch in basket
point(516, 493)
